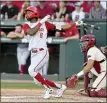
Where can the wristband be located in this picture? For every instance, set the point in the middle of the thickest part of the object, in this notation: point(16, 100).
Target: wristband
point(80, 73)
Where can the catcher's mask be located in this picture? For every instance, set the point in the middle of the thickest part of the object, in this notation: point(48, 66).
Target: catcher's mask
point(31, 12)
point(87, 41)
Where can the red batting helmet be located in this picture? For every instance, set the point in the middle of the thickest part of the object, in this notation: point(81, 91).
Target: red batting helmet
point(87, 41)
point(33, 14)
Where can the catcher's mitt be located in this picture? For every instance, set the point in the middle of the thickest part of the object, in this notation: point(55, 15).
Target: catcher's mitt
point(72, 82)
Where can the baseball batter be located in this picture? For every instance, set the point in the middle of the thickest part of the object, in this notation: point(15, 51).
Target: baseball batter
point(96, 65)
point(22, 49)
point(36, 30)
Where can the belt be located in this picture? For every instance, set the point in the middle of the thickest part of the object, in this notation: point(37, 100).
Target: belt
point(36, 50)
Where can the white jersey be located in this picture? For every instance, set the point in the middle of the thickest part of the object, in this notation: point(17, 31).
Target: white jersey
point(39, 39)
point(95, 54)
point(77, 16)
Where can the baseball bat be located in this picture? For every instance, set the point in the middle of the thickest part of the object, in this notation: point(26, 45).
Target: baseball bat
point(88, 25)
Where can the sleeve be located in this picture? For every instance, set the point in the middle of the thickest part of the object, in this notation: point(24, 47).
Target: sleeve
point(50, 26)
point(91, 54)
point(74, 29)
point(25, 28)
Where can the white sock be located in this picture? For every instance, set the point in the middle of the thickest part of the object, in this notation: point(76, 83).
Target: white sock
point(58, 85)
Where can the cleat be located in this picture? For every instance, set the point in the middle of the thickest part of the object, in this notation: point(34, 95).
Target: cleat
point(48, 93)
point(60, 91)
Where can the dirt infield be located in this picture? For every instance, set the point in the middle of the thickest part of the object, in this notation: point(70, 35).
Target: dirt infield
point(35, 95)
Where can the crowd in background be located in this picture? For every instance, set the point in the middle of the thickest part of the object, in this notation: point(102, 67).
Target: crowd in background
point(59, 10)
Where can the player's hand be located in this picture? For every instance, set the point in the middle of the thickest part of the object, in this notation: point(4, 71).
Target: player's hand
point(79, 23)
point(72, 82)
point(46, 18)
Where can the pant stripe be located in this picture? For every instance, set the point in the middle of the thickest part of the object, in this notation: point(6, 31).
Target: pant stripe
point(41, 61)
point(101, 79)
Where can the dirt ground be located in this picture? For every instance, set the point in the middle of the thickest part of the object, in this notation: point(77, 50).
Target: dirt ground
point(35, 95)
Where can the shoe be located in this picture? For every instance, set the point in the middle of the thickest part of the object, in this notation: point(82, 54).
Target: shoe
point(48, 93)
point(60, 91)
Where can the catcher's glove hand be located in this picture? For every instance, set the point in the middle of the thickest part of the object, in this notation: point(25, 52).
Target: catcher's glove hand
point(72, 82)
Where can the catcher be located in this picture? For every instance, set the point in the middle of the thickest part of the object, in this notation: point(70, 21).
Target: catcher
point(95, 65)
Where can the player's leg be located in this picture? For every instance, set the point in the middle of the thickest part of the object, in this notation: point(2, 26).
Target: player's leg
point(60, 88)
point(37, 62)
point(19, 54)
point(45, 70)
point(25, 54)
point(99, 85)
point(88, 81)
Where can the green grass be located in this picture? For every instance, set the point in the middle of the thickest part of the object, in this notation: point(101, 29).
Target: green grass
point(15, 85)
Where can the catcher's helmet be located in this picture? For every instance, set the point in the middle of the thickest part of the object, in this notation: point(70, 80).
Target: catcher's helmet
point(87, 41)
point(33, 12)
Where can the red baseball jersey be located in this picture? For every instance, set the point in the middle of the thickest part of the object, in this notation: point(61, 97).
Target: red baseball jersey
point(72, 31)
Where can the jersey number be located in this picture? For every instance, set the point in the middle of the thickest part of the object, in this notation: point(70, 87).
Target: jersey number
point(41, 35)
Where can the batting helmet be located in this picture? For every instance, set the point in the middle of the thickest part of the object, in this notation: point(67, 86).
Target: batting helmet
point(87, 41)
point(33, 14)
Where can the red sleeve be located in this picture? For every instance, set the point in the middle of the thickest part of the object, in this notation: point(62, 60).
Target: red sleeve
point(25, 28)
point(74, 29)
point(50, 26)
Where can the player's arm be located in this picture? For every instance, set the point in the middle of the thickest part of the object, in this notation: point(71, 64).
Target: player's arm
point(13, 35)
point(75, 32)
point(91, 55)
point(89, 66)
point(72, 37)
point(62, 28)
point(73, 81)
point(57, 28)
point(34, 30)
